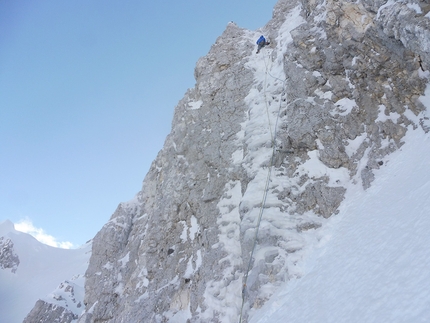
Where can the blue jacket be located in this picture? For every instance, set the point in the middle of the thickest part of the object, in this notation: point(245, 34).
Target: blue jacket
point(261, 40)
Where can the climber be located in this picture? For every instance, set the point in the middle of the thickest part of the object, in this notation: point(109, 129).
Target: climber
point(261, 42)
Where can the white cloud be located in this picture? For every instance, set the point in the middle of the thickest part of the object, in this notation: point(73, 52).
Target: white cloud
point(27, 226)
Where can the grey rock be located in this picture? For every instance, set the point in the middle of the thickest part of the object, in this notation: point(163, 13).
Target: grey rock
point(374, 5)
point(411, 28)
point(8, 258)
point(44, 312)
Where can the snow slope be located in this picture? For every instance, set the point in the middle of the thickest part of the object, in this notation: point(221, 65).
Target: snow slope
point(376, 265)
point(40, 272)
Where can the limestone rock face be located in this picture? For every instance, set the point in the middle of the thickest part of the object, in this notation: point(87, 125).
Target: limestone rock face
point(269, 140)
point(406, 22)
point(8, 258)
point(46, 312)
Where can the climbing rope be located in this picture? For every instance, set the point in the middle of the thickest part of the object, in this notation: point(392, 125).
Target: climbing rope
point(269, 173)
point(265, 99)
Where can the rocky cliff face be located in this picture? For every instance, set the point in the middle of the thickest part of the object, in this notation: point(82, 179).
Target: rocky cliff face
point(276, 136)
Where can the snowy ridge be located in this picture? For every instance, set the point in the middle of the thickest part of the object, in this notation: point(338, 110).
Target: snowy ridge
point(69, 294)
point(40, 274)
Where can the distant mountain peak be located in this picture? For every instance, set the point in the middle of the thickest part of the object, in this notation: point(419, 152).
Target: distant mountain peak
point(6, 226)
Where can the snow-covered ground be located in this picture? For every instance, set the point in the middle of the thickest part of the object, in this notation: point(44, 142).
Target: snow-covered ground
point(41, 274)
point(375, 267)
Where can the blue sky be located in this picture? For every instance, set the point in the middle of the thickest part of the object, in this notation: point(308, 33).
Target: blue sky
point(87, 94)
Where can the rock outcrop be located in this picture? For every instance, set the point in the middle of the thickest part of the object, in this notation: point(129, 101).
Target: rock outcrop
point(8, 257)
point(46, 312)
point(62, 306)
point(268, 141)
